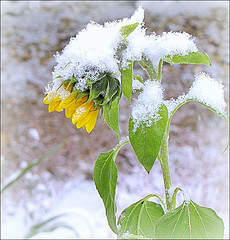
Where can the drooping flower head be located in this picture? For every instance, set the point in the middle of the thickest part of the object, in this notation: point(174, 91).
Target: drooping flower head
point(86, 77)
point(83, 106)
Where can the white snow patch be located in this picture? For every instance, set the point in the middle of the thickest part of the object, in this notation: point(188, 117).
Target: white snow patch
point(145, 109)
point(137, 85)
point(208, 91)
point(93, 50)
point(168, 44)
point(33, 133)
point(172, 104)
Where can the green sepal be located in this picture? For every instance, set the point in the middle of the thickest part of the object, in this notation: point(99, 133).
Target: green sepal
point(126, 80)
point(91, 81)
point(63, 83)
point(138, 220)
point(192, 58)
point(82, 94)
point(55, 78)
point(74, 93)
point(112, 88)
point(189, 221)
point(73, 80)
point(146, 140)
point(128, 29)
point(97, 88)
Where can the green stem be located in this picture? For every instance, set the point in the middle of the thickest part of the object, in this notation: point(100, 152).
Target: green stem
point(163, 158)
point(159, 71)
point(173, 202)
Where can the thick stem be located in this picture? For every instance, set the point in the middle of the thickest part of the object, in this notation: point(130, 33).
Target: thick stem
point(163, 158)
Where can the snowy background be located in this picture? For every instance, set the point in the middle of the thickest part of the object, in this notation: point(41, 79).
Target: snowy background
point(32, 32)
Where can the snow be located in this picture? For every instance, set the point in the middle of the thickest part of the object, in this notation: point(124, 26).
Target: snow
point(205, 90)
point(137, 85)
point(208, 91)
point(172, 104)
point(86, 215)
point(168, 44)
point(93, 50)
point(195, 158)
point(33, 133)
point(145, 109)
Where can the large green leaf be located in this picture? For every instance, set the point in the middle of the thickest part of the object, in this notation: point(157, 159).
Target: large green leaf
point(146, 140)
point(128, 29)
point(192, 58)
point(105, 178)
point(111, 115)
point(189, 221)
point(126, 80)
point(138, 220)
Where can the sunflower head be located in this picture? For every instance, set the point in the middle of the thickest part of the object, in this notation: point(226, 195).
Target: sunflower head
point(83, 106)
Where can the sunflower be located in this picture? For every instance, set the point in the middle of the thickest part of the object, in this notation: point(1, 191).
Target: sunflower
point(83, 107)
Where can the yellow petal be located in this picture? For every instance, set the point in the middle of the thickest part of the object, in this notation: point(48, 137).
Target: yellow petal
point(69, 111)
point(53, 105)
point(85, 120)
point(91, 123)
point(72, 105)
point(46, 100)
point(82, 111)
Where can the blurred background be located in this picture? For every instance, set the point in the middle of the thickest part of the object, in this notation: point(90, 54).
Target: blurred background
point(50, 163)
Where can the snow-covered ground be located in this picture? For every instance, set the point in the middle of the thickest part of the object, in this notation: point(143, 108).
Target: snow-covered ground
point(32, 32)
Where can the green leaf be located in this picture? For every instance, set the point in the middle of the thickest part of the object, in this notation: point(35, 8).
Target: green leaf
point(192, 58)
point(139, 78)
point(126, 80)
point(190, 221)
point(111, 115)
point(128, 29)
point(146, 140)
point(105, 178)
point(138, 220)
